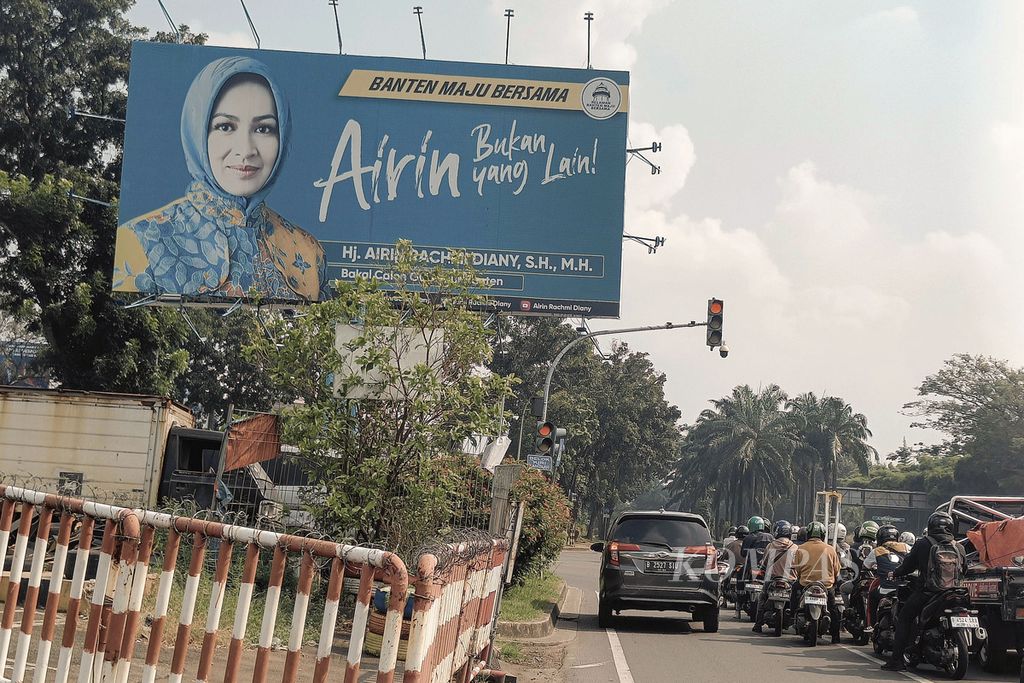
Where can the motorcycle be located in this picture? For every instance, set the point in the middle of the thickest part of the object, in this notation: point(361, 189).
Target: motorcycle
point(812, 618)
point(945, 629)
point(753, 589)
point(884, 631)
point(855, 593)
point(776, 614)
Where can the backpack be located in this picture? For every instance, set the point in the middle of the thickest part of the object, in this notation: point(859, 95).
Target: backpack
point(944, 566)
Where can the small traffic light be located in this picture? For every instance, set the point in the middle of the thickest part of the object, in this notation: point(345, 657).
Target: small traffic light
point(545, 437)
point(715, 308)
point(548, 435)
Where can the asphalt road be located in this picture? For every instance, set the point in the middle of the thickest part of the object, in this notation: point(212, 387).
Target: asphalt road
point(648, 647)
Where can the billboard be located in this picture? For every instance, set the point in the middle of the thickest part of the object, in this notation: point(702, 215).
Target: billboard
point(255, 172)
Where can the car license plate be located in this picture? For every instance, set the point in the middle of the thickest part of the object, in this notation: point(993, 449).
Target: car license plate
point(963, 622)
point(660, 566)
point(810, 600)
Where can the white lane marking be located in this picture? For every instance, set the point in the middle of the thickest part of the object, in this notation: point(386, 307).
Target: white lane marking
point(589, 666)
point(618, 656)
point(865, 655)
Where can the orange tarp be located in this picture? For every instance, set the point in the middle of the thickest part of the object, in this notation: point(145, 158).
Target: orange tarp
point(998, 543)
point(255, 439)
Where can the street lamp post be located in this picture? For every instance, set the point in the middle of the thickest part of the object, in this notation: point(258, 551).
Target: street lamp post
point(600, 333)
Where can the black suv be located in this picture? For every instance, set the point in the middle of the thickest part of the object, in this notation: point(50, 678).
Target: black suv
point(659, 560)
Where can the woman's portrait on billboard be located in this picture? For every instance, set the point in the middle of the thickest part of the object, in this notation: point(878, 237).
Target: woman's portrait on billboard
point(220, 238)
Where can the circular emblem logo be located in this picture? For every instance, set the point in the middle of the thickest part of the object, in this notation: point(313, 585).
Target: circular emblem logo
point(601, 98)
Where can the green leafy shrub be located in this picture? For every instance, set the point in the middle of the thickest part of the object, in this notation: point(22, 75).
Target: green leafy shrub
point(544, 524)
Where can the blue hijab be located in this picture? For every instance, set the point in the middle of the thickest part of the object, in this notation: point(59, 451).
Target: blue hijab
point(195, 124)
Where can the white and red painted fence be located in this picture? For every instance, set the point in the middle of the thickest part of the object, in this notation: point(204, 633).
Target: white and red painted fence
point(456, 593)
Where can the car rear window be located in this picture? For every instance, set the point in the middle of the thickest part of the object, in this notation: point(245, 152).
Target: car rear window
point(677, 533)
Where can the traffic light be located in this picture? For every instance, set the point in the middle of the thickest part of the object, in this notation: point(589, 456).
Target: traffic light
point(715, 308)
point(547, 436)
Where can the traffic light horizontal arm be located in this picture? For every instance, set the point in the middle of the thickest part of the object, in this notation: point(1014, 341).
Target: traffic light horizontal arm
point(590, 335)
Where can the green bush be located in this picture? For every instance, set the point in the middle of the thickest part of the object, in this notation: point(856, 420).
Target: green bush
point(544, 524)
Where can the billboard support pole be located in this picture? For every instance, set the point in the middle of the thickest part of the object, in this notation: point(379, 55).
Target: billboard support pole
point(418, 11)
point(252, 27)
point(337, 24)
point(174, 27)
point(590, 335)
point(588, 17)
point(508, 29)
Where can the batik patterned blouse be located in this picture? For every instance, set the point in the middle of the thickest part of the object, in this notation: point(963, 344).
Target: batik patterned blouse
point(204, 244)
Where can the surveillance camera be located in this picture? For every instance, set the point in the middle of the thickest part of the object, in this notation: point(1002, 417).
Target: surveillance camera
point(581, 330)
point(723, 350)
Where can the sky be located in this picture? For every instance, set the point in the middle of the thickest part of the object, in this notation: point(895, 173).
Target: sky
point(848, 177)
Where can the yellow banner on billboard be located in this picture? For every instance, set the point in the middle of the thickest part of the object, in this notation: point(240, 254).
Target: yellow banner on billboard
point(600, 97)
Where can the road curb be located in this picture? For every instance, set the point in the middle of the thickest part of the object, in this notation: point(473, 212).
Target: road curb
point(540, 628)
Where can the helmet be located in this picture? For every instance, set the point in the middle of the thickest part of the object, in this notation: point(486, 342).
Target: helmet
point(816, 530)
point(940, 523)
point(886, 533)
point(801, 534)
point(782, 529)
point(868, 530)
point(731, 531)
point(908, 537)
point(741, 531)
point(840, 532)
point(756, 524)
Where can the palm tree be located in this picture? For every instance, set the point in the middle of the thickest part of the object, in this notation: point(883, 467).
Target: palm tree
point(741, 451)
point(829, 431)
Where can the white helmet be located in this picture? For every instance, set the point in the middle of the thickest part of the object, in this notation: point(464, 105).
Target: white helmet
point(840, 532)
point(908, 537)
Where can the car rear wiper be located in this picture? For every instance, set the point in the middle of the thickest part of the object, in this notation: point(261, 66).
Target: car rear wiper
point(657, 543)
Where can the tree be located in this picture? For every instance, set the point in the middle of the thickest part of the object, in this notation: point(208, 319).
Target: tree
point(377, 456)
point(56, 251)
point(740, 450)
point(829, 434)
point(978, 403)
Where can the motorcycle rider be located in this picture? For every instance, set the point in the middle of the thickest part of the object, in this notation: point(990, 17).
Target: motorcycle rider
point(734, 546)
point(730, 536)
point(817, 561)
point(754, 545)
point(865, 536)
point(940, 531)
point(778, 562)
point(908, 538)
point(879, 562)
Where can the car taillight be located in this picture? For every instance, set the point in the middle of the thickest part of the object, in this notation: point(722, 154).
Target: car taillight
point(711, 562)
point(615, 547)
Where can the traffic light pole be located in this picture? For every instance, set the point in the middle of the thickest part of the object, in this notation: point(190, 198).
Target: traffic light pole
point(601, 333)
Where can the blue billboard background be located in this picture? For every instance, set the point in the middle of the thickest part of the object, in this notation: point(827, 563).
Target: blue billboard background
point(536, 194)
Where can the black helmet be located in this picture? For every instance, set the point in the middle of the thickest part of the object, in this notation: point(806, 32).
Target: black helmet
point(742, 531)
point(783, 529)
point(731, 531)
point(886, 533)
point(940, 523)
point(801, 535)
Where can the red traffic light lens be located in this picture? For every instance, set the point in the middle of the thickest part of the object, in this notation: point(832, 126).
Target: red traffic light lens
point(545, 429)
point(715, 307)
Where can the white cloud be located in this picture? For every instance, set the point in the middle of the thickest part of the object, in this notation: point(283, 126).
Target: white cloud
point(903, 15)
point(230, 39)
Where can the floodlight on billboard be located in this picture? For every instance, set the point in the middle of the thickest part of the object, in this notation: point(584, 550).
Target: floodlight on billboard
point(256, 172)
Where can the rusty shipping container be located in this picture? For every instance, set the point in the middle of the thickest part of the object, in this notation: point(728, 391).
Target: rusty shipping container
point(93, 444)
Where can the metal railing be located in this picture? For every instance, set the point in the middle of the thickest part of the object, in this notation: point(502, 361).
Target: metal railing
point(456, 594)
